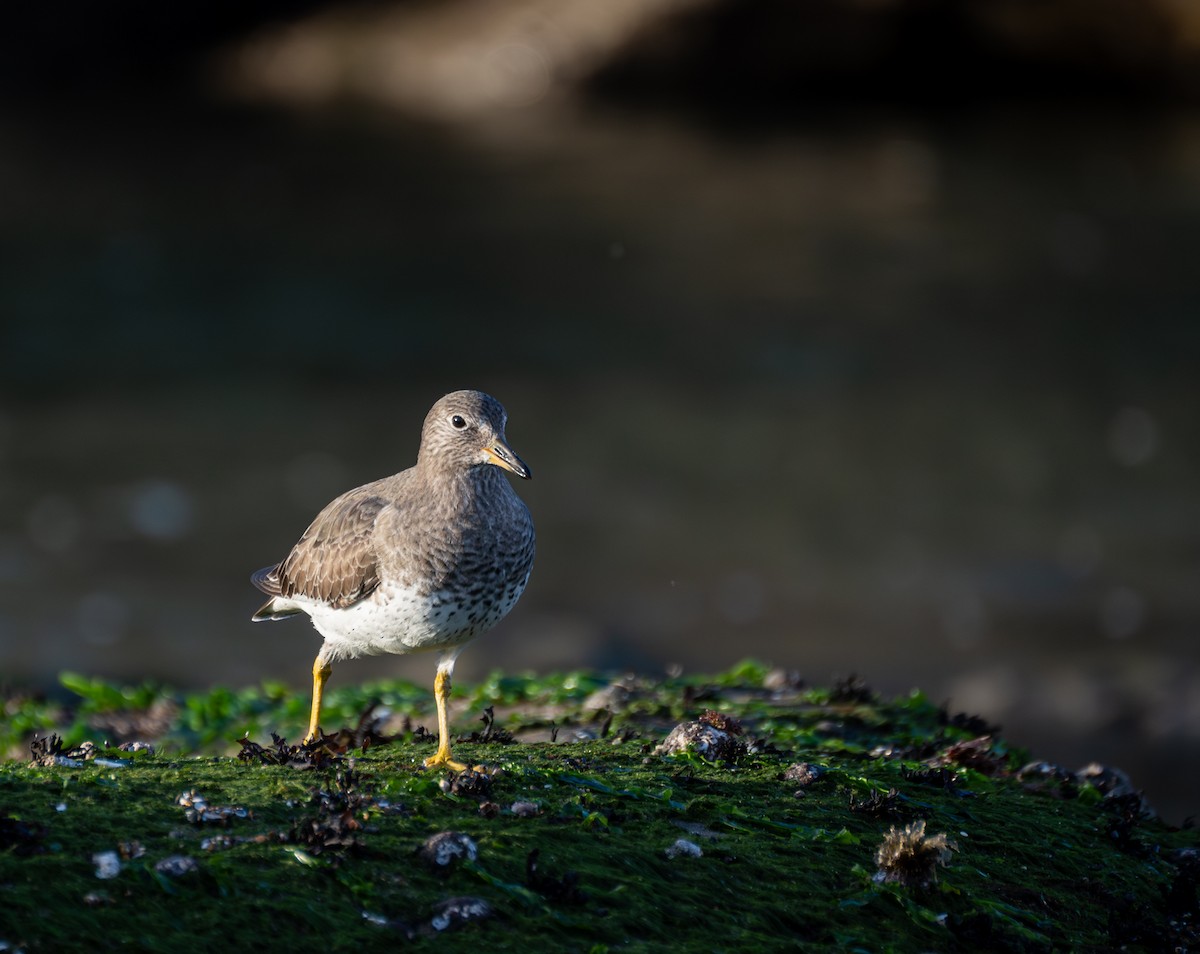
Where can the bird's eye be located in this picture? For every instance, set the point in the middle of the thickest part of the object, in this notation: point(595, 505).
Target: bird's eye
point(458, 421)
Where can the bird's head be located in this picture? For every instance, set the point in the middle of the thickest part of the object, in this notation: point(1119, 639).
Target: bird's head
point(465, 429)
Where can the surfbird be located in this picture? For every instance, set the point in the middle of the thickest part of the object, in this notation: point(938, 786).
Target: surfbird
point(427, 559)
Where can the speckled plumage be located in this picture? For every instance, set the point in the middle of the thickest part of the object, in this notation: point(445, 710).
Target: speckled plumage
point(429, 558)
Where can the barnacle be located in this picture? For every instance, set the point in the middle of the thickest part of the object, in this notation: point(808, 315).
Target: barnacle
point(910, 857)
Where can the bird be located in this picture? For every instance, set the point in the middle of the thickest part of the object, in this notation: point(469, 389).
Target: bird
point(425, 560)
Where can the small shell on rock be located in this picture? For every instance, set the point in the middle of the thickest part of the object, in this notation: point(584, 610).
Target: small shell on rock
point(176, 866)
point(803, 773)
point(489, 809)
point(1113, 783)
point(108, 864)
point(468, 784)
point(1044, 771)
point(454, 912)
point(1047, 778)
point(59, 761)
point(190, 799)
point(128, 850)
point(889, 751)
point(1109, 780)
point(446, 849)
point(707, 740)
point(684, 849)
point(198, 811)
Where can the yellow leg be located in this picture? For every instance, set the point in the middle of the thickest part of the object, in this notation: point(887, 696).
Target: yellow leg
point(321, 671)
point(441, 692)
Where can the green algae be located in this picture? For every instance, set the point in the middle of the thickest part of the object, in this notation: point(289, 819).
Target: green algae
point(326, 858)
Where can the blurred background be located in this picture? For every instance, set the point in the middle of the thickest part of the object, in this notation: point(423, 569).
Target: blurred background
point(857, 336)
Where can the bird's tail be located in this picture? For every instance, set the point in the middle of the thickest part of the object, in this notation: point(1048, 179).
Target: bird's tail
point(267, 580)
point(276, 608)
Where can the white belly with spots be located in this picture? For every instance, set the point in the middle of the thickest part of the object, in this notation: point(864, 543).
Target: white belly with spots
point(398, 619)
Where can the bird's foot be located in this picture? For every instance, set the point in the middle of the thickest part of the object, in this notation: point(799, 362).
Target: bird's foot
point(441, 759)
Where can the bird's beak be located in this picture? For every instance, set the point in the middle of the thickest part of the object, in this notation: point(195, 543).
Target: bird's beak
point(502, 456)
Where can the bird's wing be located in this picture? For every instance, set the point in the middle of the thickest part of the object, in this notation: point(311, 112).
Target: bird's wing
point(335, 560)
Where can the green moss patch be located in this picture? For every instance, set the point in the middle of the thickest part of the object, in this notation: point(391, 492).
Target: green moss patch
point(582, 836)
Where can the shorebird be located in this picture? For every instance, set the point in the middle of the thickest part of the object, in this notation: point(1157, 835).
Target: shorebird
point(427, 559)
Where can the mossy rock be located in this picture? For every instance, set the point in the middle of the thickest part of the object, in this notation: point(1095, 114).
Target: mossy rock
point(832, 820)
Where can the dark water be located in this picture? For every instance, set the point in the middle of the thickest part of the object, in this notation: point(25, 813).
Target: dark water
point(913, 401)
